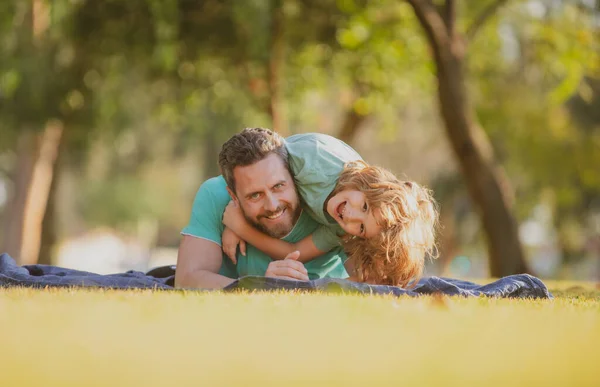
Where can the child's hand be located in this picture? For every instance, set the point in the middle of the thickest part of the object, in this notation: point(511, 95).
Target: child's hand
point(233, 217)
point(230, 242)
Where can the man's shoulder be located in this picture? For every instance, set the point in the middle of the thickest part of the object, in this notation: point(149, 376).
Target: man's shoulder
point(216, 184)
point(212, 193)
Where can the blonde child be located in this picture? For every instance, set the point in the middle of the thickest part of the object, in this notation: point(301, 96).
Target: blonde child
point(386, 226)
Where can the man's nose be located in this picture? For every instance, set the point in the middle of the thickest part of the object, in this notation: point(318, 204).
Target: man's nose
point(271, 203)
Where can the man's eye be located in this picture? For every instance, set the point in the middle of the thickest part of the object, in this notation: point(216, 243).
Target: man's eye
point(278, 185)
point(365, 207)
point(255, 196)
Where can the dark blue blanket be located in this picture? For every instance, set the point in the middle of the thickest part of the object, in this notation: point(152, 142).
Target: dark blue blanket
point(41, 276)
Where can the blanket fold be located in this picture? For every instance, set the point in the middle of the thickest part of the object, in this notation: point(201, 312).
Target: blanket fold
point(41, 276)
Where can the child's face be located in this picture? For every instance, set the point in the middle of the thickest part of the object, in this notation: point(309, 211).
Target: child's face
point(352, 212)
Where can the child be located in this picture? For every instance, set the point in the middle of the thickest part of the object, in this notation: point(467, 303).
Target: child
point(385, 225)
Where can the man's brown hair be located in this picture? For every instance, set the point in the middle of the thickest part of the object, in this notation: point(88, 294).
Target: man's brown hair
point(249, 146)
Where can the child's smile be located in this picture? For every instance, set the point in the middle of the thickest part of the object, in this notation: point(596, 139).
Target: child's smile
point(340, 210)
point(351, 211)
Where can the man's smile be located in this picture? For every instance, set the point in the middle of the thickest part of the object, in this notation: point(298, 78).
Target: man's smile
point(275, 215)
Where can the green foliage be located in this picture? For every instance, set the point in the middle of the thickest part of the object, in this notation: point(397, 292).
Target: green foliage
point(527, 94)
point(141, 83)
point(375, 66)
point(119, 202)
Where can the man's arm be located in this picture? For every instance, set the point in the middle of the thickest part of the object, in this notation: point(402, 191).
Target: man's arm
point(199, 261)
point(198, 264)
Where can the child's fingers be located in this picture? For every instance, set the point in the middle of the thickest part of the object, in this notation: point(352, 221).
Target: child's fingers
point(243, 247)
point(230, 253)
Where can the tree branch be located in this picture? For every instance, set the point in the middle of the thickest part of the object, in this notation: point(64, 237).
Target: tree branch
point(450, 16)
point(352, 122)
point(433, 24)
point(482, 18)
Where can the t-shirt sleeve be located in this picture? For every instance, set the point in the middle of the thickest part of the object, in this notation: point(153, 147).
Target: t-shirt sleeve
point(207, 212)
point(325, 238)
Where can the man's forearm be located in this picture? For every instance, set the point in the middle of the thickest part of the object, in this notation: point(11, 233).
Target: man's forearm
point(202, 279)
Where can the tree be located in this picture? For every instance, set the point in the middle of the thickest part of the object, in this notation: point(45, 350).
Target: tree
point(486, 180)
point(536, 102)
point(26, 106)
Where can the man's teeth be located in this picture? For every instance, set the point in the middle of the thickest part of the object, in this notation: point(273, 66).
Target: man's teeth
point(276, 215)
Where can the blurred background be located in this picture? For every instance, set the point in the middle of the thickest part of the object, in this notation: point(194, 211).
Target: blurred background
point(112, 114)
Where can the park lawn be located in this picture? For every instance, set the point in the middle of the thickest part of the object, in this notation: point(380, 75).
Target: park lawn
point(68, 337)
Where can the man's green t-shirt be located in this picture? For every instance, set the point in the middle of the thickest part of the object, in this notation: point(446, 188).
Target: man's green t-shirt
point(206, 222)
point(316, 161)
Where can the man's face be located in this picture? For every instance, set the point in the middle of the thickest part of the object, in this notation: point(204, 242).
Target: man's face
point(267, 196)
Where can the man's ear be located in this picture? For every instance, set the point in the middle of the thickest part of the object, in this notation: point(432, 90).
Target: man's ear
point(232, 195)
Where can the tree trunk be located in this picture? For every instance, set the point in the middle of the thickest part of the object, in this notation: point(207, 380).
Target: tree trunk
point(39, 190)
point(448, 246)
point(35, 156)
point(486, 181)
point(275, 68)
point(350, 126)
point(49, 223)
point(15, 206)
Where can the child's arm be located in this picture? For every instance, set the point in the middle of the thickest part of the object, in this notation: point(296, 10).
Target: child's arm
point(275, 248)
point(230, 242)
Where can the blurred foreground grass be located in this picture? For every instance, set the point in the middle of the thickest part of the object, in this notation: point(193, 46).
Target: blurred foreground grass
point(141, 338)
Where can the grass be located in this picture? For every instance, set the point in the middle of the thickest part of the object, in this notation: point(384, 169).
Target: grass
point(99, 338)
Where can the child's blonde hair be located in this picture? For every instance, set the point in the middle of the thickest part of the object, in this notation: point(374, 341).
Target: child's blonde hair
point(408, 217)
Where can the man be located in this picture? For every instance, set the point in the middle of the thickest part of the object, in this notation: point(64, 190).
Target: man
point(256, 175)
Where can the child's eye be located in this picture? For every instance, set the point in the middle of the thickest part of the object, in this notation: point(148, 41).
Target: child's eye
point(365, 207)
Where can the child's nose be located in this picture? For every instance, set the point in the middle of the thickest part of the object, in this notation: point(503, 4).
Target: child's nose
point(353, 216)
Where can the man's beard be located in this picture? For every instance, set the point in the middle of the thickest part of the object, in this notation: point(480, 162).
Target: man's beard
point(277, 230)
